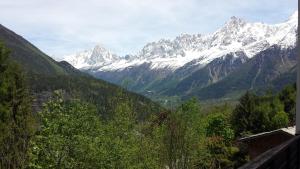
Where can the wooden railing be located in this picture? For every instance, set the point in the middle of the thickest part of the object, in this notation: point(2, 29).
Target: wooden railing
point(284, 156)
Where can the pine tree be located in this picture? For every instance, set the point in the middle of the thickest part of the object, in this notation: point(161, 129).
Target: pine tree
point(16, 119)
point(241, 115)
point(288, 97)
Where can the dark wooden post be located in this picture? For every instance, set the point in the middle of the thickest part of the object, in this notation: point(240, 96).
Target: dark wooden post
point(298, 86)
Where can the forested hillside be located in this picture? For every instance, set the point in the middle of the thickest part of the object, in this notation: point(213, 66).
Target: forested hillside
point(45, 75)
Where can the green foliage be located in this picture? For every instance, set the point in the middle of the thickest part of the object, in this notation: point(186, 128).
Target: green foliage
point(256, 114)
point(16, 120)
point(181, 136)
point(185, 138)
point(288, 97)
point(192, 139)
point(68, 138)
point(218, 126)
point(242, 114)
point(220, 150)
point(73, 135)
point(280, 120)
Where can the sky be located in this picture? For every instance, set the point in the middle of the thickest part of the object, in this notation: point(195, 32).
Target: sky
point(62, 27)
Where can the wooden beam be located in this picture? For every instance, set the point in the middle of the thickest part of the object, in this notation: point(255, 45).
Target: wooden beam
point(298, 85)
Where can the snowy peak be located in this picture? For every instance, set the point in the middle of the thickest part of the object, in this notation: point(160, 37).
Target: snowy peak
point(79, 59)
point(235, 23)
point(92, 57)
point(163, 49)
point(236, 35)
point(100, 54)
point(228, 31)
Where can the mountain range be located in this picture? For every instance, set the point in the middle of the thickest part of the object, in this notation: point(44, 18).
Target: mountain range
point(237, 57)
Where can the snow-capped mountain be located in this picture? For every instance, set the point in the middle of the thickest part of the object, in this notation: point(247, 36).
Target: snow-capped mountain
point(97, 56)
point(236, 35)
point(239, 56)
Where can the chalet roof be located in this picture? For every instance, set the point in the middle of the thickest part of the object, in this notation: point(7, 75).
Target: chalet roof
point(288, 131)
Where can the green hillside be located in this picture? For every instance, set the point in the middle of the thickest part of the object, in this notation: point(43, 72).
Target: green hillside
point(45, 75)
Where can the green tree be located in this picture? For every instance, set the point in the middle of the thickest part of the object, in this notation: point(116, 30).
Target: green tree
point(221, 152)
point(288, 97)
point(241, 121)
point(16, 119)
point(182, 136)
point(280, 120)
point(122, 143)
point(69, 137)
point(73, 135)
point(256, 114)
point(219, 126)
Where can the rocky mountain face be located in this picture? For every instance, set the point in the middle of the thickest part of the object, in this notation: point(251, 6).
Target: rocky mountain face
point(260, 72)
point(189, 64)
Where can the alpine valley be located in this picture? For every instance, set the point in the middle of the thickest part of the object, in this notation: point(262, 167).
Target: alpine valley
point(239, 56)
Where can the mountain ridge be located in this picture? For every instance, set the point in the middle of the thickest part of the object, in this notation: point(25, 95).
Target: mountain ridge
point(235, 35)
point(189, 64)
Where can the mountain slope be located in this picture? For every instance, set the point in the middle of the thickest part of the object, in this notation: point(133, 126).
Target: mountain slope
point(269, 66)
point(211, 73)
point(45, 75)
point(31, 58)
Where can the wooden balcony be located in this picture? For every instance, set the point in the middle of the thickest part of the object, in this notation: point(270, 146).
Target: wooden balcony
point(284, 156)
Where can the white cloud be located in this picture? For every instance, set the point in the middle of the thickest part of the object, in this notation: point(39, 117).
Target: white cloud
point(64, 26)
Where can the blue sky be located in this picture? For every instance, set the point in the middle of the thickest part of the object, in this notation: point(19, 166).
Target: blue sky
point(60, 27)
